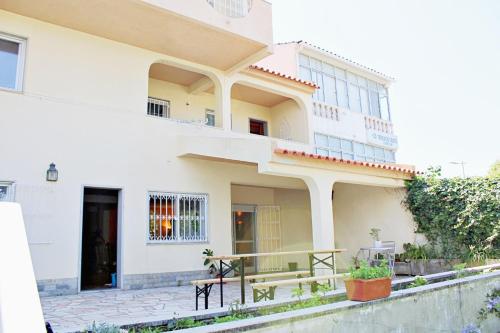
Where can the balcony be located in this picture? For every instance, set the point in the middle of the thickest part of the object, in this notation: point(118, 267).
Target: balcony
point(194, 30)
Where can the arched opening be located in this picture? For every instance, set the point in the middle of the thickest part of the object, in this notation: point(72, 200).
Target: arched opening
point(262, 112)
point(179, 94)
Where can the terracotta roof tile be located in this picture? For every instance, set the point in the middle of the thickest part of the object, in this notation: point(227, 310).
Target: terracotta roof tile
point(285, 76)
point(391, 167)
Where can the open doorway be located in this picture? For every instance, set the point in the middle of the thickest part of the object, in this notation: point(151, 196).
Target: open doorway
point(99, 239)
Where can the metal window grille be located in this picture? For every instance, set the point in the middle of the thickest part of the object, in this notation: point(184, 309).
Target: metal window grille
point(158, 107)
point(175, 217)
point(232, 8)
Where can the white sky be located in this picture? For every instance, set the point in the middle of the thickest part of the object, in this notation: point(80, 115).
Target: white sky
point(445, 56)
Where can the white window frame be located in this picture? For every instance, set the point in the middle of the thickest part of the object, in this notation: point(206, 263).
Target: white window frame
point(11, 191)
point(176, 219)
point(329, 150)
point(20, 60)
point(161, 102)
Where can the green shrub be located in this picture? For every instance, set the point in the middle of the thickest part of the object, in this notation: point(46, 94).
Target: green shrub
point(102, 328)
point(366, 272)
point(459, 216)
point(419, 281)
point(413, 251)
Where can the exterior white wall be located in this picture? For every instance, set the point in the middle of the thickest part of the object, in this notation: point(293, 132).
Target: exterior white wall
point(357, 209)
point(83, 107)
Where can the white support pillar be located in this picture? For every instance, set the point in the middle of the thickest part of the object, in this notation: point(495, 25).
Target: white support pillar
point(224, 103)
point(320, 192)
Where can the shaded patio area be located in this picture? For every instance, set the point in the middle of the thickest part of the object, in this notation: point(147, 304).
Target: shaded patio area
point(75, 312)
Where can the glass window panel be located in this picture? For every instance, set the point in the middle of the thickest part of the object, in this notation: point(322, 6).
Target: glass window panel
point(305, 73)
point(340, 73)
point(315, 64)
point(322, 152)
point(352, 78)
point(321, 140)
point(303, 60)
point(317, 78)
point(346, 146)
point(362, 81)
point(384, 108)
point(382, 90)
point(334, 143)
point(329, 69)
point(369, 153)
point(359, 148)
point(372, 85)
point(374, 106)
point(365, 101)
point(9, 52)
point(389, 156)
point(335, 154)
point(342, 97)
point(379, 154)
point(347, 156)
point(329, 90)
point(354, 99)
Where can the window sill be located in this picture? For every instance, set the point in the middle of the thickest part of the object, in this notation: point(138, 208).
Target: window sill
point(15, 91)
point(149, 242)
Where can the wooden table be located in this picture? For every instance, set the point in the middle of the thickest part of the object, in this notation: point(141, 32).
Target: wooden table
point(314, 260)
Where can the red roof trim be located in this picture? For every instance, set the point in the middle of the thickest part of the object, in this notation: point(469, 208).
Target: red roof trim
point(285, 76)
point(394, 167)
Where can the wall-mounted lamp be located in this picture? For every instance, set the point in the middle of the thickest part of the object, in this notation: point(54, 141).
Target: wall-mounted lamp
point(52, 173)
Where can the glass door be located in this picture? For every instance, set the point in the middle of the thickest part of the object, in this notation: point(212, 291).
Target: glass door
point(244, 234)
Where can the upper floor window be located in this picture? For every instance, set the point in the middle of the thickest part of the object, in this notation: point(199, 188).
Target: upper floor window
point(158, 107)
point(11, 62)
point(177, 217)
point(232, 8)
point(258, 127)
point(6, 191)
point(331, 146)
point(209, 117)
point(342, 88)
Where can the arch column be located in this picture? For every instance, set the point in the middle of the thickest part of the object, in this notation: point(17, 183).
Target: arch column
point(320, 192)
point(224, 103)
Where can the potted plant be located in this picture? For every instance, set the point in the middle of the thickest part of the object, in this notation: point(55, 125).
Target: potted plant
point(375, 233)
point(367, 283)
point(209, 264)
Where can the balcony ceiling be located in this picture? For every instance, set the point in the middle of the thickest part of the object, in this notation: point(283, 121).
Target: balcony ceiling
point(256, 96)
point(174, 74)
point(147, 26)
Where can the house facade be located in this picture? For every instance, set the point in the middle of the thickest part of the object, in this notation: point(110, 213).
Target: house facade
point(137, 134)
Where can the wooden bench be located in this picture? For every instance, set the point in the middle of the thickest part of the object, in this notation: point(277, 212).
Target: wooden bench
point(265, 290)
point(203, 287)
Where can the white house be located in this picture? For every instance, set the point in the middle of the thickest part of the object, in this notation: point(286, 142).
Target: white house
point(175, 126)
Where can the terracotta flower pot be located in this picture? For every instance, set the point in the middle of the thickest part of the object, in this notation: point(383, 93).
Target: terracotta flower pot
point(367, 290)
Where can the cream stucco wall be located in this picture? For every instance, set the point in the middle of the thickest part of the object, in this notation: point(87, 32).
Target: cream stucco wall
point(357, 209)
point(83, 107)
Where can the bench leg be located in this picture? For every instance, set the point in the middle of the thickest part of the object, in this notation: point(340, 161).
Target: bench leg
point(263, 294)
point(205, 291)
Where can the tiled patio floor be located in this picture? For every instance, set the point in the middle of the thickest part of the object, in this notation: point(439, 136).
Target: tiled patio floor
point(76, 312)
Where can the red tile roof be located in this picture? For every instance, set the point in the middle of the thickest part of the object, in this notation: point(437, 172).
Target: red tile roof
point(285, 76)
point(391, 167)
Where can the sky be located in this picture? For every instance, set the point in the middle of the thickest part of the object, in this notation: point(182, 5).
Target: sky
point(445, 56)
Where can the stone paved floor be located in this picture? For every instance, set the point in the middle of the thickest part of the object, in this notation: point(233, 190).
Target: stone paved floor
point(75, 312)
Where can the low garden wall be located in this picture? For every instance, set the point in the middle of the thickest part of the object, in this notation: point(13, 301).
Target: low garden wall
point(446, 306)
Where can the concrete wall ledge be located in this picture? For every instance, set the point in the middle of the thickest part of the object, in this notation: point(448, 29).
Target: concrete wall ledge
point(456, 302)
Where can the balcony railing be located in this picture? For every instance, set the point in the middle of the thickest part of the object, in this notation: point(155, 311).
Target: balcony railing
point(325, 111)
point(379, 125)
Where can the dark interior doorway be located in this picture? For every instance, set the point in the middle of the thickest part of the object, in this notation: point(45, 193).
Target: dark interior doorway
point(99, 239)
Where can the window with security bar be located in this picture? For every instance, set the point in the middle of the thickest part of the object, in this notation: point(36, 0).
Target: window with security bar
point(158, 107)
point(177, 217)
